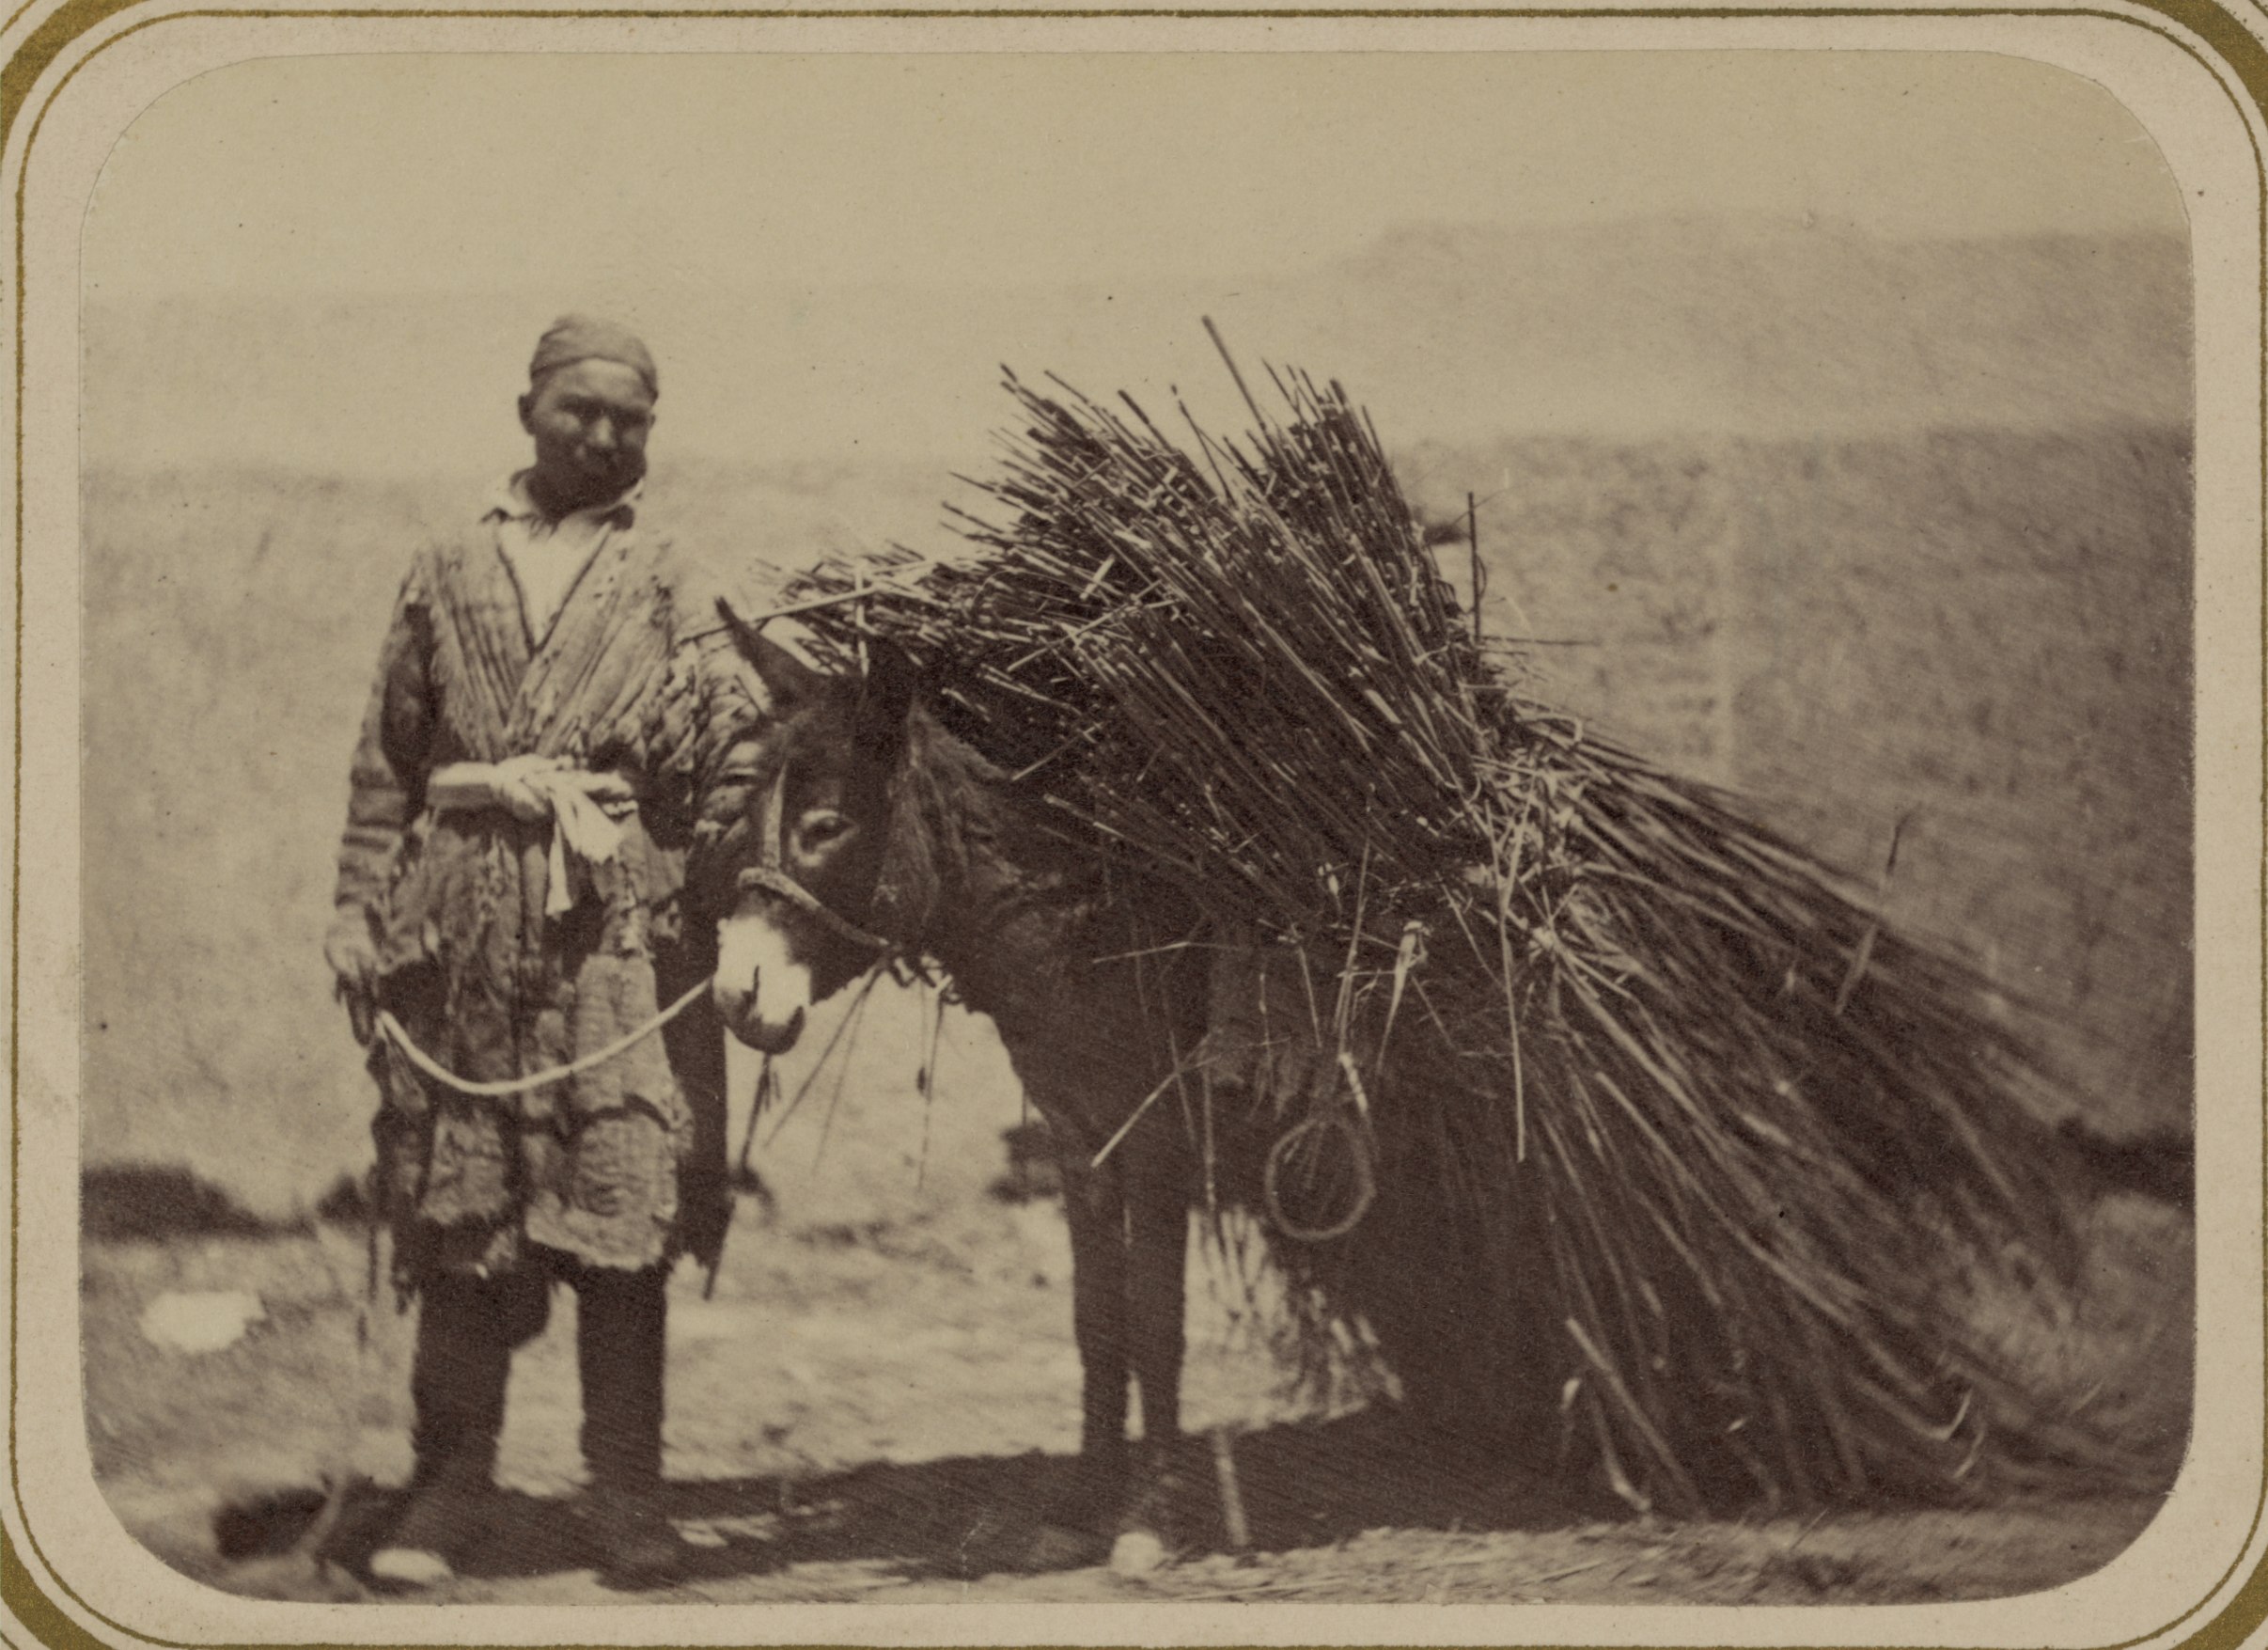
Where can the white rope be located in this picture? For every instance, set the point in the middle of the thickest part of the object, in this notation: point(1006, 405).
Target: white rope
point(441, 1074)
point(1366, 1180)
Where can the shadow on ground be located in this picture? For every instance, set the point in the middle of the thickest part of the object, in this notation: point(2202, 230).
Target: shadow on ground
point(1302, 1484)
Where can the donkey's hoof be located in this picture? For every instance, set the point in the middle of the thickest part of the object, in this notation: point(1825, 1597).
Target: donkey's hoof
point(1138, 1553)
point(410, 1569)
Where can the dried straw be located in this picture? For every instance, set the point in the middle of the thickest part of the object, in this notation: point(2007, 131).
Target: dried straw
point(1676, 1146)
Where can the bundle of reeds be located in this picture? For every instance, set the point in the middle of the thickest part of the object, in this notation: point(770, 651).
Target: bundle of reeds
point(1672, 1142)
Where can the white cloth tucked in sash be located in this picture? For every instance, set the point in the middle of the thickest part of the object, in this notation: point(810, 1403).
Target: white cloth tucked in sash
point(583, 808)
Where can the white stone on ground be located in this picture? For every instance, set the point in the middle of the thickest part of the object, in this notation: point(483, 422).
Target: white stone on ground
point(200, 1320)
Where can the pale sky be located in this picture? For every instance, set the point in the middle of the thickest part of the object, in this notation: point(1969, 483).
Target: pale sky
point(497, 173)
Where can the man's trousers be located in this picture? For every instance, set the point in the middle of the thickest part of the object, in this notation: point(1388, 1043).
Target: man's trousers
point(468, 1329)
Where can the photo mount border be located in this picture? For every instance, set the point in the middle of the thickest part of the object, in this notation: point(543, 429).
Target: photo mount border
point(2200, 28)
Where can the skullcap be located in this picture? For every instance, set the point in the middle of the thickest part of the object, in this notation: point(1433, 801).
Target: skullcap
point(583, 338)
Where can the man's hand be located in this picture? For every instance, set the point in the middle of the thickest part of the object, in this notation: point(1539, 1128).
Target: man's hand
point(353, 958)
point(614, 794)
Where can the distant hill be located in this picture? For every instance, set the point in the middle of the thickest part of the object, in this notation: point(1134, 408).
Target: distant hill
point(1769, 329)
point(1448, 333)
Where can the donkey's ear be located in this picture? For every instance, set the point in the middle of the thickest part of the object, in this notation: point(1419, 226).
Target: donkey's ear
point(786, 678)
point(885, 699)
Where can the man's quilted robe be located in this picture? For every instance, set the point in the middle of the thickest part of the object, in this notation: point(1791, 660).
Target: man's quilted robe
point(623, 1166)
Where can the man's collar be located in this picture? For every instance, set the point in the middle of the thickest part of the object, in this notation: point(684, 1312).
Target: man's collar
point(510, 500)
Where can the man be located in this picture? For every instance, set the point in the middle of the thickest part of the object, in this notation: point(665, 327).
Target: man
point(510, 890)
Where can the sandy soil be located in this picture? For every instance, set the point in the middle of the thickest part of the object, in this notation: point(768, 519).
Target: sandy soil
point(877, 1410)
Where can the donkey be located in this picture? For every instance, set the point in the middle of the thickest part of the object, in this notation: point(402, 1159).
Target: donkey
point(853, 825)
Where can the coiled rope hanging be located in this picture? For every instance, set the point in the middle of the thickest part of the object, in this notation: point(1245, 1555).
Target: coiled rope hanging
point(1354, 1130)
point(1366, 1180)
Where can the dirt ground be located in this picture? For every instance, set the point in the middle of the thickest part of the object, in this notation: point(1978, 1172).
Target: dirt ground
point(869, 1411)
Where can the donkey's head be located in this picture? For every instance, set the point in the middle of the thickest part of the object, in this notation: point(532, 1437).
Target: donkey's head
point(803, 809)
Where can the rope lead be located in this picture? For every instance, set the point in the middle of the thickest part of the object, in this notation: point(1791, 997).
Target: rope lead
point(441, 1074)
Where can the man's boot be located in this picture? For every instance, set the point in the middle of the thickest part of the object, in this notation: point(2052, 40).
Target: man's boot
point(619, 1346)
point(465, 1335)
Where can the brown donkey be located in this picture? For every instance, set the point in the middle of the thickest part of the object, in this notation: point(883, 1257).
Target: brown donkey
point(853, 825)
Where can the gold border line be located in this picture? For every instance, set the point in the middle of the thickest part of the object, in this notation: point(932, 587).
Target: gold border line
point(2251, 1600)
point(2243, 53)
point(2245, 1610)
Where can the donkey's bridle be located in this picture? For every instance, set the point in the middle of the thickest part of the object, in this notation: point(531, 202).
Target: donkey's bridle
point(770, 873)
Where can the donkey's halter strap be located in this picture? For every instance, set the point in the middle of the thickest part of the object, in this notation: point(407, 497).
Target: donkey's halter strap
point(775, 881)
point(770, 873)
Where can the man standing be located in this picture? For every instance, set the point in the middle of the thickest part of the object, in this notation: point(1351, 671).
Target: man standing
point(511, 892)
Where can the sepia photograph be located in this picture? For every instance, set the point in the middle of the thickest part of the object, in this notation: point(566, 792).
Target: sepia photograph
point(1241, 828)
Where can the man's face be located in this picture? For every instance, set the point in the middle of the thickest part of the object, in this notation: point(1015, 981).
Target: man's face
point(589, 421)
